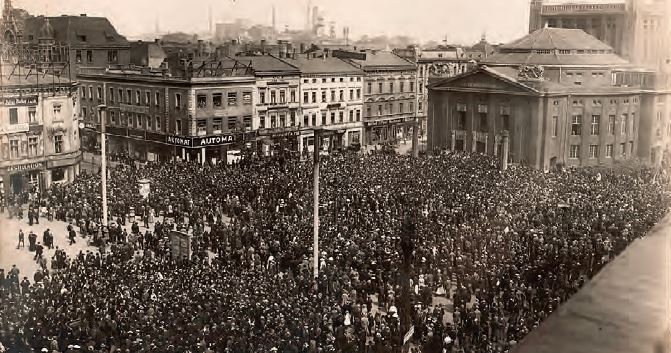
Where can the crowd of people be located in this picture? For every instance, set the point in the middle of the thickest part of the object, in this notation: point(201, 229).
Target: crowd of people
point(505, 249)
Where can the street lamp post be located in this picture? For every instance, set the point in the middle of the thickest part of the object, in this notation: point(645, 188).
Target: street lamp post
point(415, 126)
point(315, 245)
point(315, 212)
point(103, 156)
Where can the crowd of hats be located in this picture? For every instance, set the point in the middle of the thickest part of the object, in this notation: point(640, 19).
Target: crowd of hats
point(505, 249)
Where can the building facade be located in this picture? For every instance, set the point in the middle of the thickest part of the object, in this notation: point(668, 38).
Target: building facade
point(276, 107)
point(389, 95)
point(331, 92)
point(39, 138)
point(638, 30)
point(432, 64)
point(86, 41)
point(559, 102)
point(152, 115)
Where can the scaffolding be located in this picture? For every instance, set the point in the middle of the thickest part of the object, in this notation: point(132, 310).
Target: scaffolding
point(44, 66)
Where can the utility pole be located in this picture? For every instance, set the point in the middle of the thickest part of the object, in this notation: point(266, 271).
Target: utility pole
point(103, 156)
point(415, 126)
point(315, 211)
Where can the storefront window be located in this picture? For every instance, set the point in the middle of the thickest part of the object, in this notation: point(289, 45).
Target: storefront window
point(58, 174)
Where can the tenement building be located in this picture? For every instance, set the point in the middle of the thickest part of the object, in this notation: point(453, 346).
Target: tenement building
point(563, 96)
point(389, 99)
point(433, 63)
point(39, 139)
point(82, 41)
point(276, 104)
point(201, 113)
point(331, 92)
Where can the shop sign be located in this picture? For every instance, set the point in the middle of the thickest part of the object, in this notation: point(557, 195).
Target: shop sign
point(136, 134)
point(385, 122)
point(25, 167)
point(285, 134)
point(213, 140)
point(15, 128)
point(133, 109)
point(178, 141)
point(19, 101)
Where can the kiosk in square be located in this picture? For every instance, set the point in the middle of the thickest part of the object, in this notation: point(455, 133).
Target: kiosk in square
point(180, 245)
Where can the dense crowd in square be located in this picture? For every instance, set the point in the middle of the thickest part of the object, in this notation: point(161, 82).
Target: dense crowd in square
point(506, 248)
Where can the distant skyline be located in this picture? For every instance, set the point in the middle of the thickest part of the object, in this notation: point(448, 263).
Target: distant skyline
point(460, 21)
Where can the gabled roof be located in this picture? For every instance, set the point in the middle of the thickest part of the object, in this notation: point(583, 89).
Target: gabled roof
point(329, 65)
point(268, 65)
point(557, 38)
point(76, 30)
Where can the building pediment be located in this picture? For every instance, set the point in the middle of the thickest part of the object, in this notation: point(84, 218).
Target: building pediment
point(484, 79)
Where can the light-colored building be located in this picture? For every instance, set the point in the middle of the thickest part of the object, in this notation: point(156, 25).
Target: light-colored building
point(389, 95)
point(331, 92)
point(563, 96)
point(276, 107)
point(637, 30)
point(39, 138)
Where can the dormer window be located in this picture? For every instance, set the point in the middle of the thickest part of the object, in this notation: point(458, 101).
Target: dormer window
point(81, 38)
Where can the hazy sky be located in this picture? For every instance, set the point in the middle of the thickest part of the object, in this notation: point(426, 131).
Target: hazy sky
point(462, 21)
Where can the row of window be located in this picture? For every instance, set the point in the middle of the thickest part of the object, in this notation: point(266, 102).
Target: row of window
point(32, 114)
point(33, 147)
point(112, 56)
point(324, 95)
point(482, 121)
point(203, 100)
point(593, 152)
point(309, 120)
point(392, 87)
point(332, 79)
point(217, 125)
point(389, 108)
point(626, 124)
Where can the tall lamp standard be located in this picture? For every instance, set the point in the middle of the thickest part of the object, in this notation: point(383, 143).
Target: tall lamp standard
point(315, 211)
point(103, 156)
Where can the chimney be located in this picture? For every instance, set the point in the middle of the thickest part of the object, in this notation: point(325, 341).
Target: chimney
point(294, 54)
point(156, 40)
point(82, 15)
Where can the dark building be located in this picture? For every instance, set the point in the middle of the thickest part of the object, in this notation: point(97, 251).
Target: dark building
point(153, 115)
point(147, 54)
point(563, 96)
point(90, 41)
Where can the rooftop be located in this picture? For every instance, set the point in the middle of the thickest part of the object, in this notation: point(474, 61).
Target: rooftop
point(75, 30)
point(623, 309)
point(383, 59)
point(320, 66)
point(267, 65)
point(554, 47)
point(576, 2)
point(557, 38)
